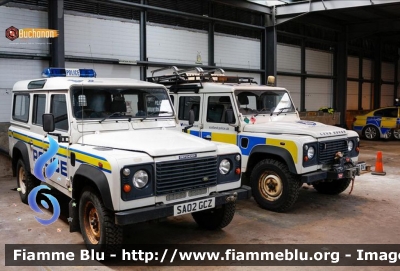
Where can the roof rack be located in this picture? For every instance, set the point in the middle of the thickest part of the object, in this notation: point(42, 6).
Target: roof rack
point(182, 76)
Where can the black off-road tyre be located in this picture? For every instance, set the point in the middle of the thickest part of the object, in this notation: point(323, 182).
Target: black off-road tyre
point(332, 188)
point(98, 228)
point(273, 186)
point(25, 181)
point(216, 218)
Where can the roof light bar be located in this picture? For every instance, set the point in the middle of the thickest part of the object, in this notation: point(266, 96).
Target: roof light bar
point(62, 72)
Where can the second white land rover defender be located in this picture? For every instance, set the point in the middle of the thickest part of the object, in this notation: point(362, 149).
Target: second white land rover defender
point(280, 151)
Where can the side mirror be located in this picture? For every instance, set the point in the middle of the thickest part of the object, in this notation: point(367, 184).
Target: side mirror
point(48, 123)
point(191, 117)
point(191, 121)
point(229, 116)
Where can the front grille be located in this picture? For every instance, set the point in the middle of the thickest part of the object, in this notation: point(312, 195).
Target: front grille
point(182, 175)
point(327, 150)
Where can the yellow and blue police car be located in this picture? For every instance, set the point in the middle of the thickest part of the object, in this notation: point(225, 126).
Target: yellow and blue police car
point(379, 123)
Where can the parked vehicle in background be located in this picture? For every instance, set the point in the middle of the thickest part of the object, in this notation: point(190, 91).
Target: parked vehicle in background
point(280, 151)
point(380, 123)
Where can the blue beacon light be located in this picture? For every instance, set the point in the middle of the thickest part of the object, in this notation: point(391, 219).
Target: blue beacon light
point(62, 72)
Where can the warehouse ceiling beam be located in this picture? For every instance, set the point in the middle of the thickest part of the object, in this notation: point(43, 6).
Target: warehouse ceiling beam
point(189, 16)
point(298, 8)
point(363, 30)
point(317, 19)
point(246, 5)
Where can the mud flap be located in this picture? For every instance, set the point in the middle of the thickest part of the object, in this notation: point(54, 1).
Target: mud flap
point(74, 214)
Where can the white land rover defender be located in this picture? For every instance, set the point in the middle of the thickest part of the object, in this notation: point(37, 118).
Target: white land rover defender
point(122, 157)
point(280, 151)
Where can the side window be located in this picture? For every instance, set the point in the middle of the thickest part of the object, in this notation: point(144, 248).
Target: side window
point(21, 107)
point(185, 104)
point(172, 99)
point(387, 113)
point(39, 107)
point(58, 107)
point(390, 113)
point(378, 113)
point(218, 108)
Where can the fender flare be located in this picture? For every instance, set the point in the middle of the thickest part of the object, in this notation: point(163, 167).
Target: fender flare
point(23, 149)
point(100, 181)
point(281, 152)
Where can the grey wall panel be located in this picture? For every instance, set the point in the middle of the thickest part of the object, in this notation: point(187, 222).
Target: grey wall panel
point(288, 58)
point(352, 95)
point(292, 84)
point(387, 97)
point(237, 52)
point(166, 44)
point(318, 62)
point(318, 93)
point(11, 71)
point(388, 71)
point(367, 69)
point(101, 38)
point(23, 18)
point(108, 70)
point(352, 67)
point(366, 96)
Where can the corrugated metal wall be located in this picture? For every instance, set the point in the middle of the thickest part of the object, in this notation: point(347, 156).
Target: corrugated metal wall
point(100, 38)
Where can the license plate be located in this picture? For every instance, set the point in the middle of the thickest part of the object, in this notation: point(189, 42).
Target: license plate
point(194, 206)
point(362, 166)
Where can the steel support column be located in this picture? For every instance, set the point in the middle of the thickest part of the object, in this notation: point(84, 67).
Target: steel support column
point(340, 98)
point(263, 54)
point(211, 38)
point(56, 21)
point(303, 71)
point(143, 40)
point(360, 80)
point(268, 47)
point(377, 74)
point(396, 77)
point(270, 52)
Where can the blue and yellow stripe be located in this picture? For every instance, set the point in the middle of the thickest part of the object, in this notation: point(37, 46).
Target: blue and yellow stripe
point(81, 156)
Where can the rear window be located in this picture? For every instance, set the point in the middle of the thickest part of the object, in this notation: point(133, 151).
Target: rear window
point(21, 107)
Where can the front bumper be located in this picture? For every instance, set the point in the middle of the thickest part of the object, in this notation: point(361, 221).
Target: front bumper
point(316, 176)
point(162, 211)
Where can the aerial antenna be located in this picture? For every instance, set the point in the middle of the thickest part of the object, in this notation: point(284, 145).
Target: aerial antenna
point(82, 102)
point(90, 48)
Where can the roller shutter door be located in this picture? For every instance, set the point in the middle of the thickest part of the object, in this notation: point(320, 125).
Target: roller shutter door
point(11, 71)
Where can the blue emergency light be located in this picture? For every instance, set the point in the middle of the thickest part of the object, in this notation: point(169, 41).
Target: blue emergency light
point(62, 72)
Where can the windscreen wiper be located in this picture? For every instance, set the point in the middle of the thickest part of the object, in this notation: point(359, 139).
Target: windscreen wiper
point(112, 115)
point(281, 110)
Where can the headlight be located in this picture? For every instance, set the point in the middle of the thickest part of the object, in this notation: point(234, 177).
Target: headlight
point(350, 145)
point(310, 152)
point(224, 166)
point(140, 179)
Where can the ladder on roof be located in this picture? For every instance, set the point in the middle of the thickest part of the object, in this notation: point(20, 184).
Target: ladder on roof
point(182, 76)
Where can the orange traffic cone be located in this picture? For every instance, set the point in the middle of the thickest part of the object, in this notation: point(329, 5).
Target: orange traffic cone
point(378, 165)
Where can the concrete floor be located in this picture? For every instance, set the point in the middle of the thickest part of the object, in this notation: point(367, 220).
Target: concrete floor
point(370, 215)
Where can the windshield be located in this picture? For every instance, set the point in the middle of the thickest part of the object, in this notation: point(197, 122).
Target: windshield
point(119, 102)
point(264, 101)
